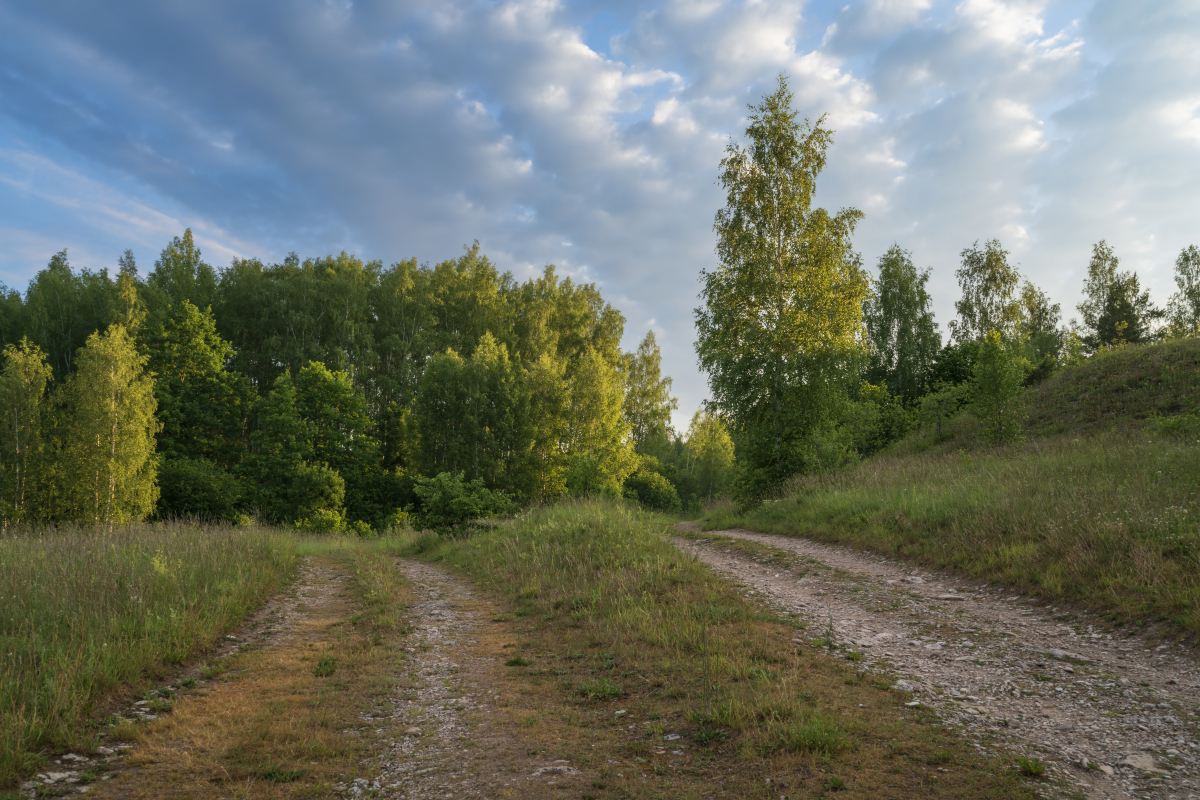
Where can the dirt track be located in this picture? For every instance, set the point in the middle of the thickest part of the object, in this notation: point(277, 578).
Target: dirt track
point(1113, 714)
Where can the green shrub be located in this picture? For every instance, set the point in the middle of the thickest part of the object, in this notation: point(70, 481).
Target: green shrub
point(323, 520)
point(653, 491)
point(447, 503)
point(196, 487)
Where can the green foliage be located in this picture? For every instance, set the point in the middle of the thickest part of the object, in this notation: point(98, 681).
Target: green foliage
point(781, 327)
point(1115, 310)
point(22, 399)
point(322, 520)
point(62, 309)
point(448, 503)
point(989, 294)
point(650, 488)
point(1039, 324)
point(197, 487)
point(998, 383)
point(648, 401)
point(875, 419)
point(1183, 311)
point(179, 275)
point(107, 472)
point(942, 404)
point(904, 337)
point(710, 453)
point(1032, 767)
point(202, 407)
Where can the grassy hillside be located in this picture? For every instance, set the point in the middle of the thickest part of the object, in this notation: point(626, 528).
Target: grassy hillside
point(1097, 506)
point(1117, 390)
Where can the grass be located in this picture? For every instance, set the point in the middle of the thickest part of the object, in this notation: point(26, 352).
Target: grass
point(85, 613)
point(611, 609)
point(273, 726)
point(1111, 521)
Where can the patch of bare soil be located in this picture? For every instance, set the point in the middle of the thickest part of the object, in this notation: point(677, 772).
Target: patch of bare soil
point(1110, 713)
point(459, 713)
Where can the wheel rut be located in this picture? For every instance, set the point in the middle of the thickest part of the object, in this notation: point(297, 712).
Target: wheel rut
point(1111, 715)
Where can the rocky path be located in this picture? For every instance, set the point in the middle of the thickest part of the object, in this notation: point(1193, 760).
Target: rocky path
point(454, 709)
point(1111, 714)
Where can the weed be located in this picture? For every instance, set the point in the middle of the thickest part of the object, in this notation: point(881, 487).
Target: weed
point(834, 784)
point(817, 734)
point(1033, 767)
point(516, 661)
point(600, 689)
point(276, 775)
point(706, 735)
point(325, 667)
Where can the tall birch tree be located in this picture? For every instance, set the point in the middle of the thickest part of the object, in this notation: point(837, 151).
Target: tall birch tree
point(781, 328)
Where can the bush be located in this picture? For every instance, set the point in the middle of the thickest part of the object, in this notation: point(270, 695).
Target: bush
point(447, 503)
point(323, 520)
point(197, 487)
point(653, 491)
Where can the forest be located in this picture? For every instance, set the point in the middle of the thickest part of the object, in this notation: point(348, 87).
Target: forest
point(329, 393)
point(333, 393)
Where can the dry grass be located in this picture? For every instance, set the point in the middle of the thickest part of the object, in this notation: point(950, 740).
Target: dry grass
point(608, 616)
point(86, 613)
point(274, 725)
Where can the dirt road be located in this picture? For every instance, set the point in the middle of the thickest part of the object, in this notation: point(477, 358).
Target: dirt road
point(1111, 712)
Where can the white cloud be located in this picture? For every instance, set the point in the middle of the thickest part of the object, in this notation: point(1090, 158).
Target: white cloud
point(412, 128)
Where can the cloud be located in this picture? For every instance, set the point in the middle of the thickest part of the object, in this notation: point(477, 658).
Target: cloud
point(589, 134)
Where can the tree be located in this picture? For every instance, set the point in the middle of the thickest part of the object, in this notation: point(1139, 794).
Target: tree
point(110, 472)
point(780, 333)
point(204, 408)
point(1183, 311)
point(597, 445)
point(63, 309)
point(900, 325)
point(997, 384)
point(989, 286)
point(648, 401)
point(1039, 323)
point(180, 274)
point(22, 394)
point(288, 488)
point(1115, 310)
point(711, 452)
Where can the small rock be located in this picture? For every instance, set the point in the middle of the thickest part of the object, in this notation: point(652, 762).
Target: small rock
point(1141, 761)
point(1063, 655)
point(913, 579)
point(913, 704)
point(555, 770)
point(950, 597)
point(620, 713)
point(670, 737)
point(73, 757)
point(1106, 769)
point(1122, 681)
point(906, 686)
point(413, 732)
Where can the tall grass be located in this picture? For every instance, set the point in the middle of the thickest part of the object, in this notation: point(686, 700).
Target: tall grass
point(1111, 520)
point(83, 612)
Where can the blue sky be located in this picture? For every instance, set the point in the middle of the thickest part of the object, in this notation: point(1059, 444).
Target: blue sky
point(587, 134)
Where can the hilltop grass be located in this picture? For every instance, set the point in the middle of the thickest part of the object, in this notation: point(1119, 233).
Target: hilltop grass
point(611, 616)
point(86, 613)
point(1111, 521)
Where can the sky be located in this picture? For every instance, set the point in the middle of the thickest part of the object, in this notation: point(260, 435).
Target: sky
point(588, 134)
